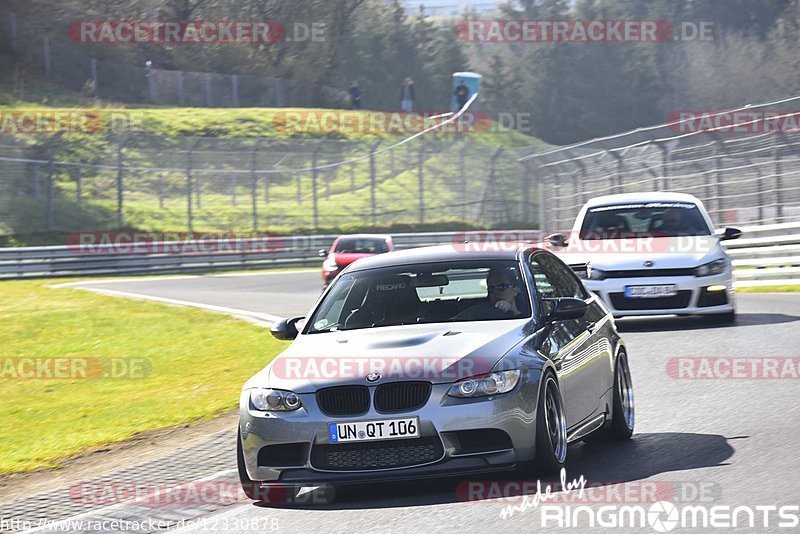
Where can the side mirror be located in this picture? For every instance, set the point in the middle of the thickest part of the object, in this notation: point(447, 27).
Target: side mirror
point(285, 329)
point(322, 253)
point(566, 308)
point(557, 240)
point(729, 234)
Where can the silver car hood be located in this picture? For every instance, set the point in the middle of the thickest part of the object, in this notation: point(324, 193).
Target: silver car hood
point(630, 254)
point(439, 353)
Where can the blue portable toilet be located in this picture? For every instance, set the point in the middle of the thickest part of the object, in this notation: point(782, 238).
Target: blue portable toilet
point(473, 82)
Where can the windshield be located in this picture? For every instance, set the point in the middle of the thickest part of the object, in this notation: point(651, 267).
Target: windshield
point(429, 293)
point(652, 219)
point(359, 245)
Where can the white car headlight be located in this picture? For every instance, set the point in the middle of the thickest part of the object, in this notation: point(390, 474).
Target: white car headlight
point(712, 268)
point(274, 400)
point(491, 384)
point(330, 265)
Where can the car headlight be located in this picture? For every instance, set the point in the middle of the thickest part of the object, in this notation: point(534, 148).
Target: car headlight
point(330, 265)
point(274, 400)
point(491, 384)
point(596, 274)
point(712, 268)
point(590, 273)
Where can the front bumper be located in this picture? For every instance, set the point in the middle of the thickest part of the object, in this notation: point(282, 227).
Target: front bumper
point(442, 420)
point(693, 297)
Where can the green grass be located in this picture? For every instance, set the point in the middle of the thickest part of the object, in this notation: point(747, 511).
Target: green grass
point(344, 200)
point(770, 289)
point(198, 362)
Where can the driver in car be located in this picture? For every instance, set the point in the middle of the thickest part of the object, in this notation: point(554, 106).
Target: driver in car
point(501, 302)
point(672, 222)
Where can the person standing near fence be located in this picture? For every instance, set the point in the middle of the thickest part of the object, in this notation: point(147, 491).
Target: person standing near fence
point(462, 94)
point(355, 95)
point(407, 96)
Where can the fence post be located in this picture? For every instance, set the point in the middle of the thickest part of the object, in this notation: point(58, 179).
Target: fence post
point(235, 89)
point(526, 192)
point(14, 33)
point(778, 172)
point(189, 186)
point(78, 185)
point(208, 89)
point(120, 188)
point(93, 66)
point(151, 86)
point(421, 181)
point(541, 185)
point(665, 167)
point(719, 148)
point(37, 183)
point(373, 182)
point(314, 185)
point(254, 184)
point(181, 95)
point(47, 65)
point(51, 149)
point(462, 174)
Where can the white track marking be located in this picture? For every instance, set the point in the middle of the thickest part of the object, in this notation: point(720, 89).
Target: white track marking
point(177, 277)
point(264, 317)
point(123, 280)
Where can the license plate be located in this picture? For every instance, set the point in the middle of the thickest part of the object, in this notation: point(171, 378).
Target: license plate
point(650, 292)
point(374, 430)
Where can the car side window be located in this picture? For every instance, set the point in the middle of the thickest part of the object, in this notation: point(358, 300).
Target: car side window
point(553, 279)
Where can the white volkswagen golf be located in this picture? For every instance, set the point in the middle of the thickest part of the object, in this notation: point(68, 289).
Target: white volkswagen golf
point(652, 254)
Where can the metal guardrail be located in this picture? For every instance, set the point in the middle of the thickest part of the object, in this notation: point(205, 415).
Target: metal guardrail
point(765, 255)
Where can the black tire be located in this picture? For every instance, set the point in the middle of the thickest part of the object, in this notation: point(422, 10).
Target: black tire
point(623, 415)
point(551, 428)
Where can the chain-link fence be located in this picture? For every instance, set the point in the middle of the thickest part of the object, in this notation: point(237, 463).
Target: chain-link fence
point(47, 53)
point(743, 164)
point(160, 183)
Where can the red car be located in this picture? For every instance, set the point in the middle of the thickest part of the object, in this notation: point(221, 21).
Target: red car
point(349, 248)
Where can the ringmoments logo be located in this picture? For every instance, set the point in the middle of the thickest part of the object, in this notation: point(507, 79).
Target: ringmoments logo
point(664, 516)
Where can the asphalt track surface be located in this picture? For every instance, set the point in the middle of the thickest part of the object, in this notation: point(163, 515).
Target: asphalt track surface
point(712, 442)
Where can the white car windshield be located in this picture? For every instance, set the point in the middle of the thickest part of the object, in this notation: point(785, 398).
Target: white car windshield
point(651, 219)
point(420, 294)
